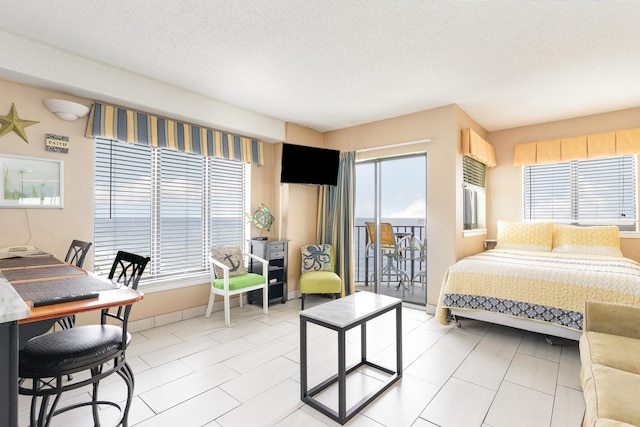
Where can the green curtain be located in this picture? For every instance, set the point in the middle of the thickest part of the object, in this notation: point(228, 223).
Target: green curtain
point(336, 217)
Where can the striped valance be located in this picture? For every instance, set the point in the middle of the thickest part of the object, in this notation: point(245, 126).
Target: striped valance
point(475, 146)
point(106, 121)
point(608, 144)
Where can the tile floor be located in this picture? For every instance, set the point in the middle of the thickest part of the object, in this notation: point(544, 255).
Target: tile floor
point(196, 372)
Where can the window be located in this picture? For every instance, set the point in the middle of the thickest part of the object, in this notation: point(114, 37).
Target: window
point(167, 204)
point(582, 192)
point(473, 176)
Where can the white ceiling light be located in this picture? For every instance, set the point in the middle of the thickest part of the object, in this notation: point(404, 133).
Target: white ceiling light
point(66, 110)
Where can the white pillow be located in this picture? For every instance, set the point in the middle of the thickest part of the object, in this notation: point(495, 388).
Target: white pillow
point(525, 236)
point(600, 240)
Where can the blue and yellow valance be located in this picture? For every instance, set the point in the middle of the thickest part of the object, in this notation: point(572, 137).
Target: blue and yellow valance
point(106, 121)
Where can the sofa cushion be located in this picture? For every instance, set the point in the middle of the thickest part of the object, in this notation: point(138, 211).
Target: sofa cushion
point(611, 350)
point(611, 395)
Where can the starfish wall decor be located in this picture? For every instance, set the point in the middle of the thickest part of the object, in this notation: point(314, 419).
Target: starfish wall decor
point(13, 123)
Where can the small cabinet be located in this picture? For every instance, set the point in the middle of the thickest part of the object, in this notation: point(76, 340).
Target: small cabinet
point(274, 251)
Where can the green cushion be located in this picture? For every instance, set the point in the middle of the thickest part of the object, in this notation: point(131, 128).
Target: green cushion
point(320, 282)
point(240, 282)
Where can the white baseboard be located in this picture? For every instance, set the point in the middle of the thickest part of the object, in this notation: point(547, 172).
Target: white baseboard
point(189, 313)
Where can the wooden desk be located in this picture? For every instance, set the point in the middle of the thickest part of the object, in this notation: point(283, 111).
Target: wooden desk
point(33, 277)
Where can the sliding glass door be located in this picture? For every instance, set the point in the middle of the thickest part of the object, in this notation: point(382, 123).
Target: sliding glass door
point(391, 201)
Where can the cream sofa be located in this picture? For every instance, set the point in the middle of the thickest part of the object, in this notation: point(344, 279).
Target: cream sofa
point(610, 355)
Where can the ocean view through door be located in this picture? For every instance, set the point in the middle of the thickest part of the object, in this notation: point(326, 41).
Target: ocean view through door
point(391, 197)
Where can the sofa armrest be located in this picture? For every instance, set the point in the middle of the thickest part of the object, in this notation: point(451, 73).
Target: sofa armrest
point(610, 318)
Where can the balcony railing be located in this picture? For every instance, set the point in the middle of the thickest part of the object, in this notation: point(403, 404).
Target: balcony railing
point(362, 264)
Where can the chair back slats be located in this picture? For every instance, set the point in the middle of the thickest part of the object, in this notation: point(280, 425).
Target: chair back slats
point(387, 238)
point(77, 252)
point(127, 269)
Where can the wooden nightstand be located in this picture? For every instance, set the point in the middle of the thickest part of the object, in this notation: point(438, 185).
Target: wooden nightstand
point(489, 243)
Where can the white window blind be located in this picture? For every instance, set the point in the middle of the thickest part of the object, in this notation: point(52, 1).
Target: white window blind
point(170, 205)
point(583, 192)
point(122, 202)
point(181, 200)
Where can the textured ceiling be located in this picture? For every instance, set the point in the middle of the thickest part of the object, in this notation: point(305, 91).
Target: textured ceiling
point(329, 64)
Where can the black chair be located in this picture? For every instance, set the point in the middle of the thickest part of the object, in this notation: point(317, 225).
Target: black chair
point(75, 255)
point(77, 252)
point(47, 359)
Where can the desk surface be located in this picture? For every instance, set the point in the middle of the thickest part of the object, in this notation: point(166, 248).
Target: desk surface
point(351, 309)
point(45, 276)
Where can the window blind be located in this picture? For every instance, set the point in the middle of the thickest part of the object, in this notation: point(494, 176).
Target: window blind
point(122, 202)
point(168, 204)
point(180, 208)
point(583, 192)
point(473, 171)
point(226, 219)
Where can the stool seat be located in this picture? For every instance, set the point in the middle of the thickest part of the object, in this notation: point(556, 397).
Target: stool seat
point(69, 350)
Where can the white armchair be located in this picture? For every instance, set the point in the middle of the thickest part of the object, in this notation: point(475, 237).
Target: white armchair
point(226, 284)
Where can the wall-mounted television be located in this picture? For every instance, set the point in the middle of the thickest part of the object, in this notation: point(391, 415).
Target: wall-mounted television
point(309, 165)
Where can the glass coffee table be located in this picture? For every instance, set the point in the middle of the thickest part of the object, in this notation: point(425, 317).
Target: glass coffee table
point(342, 315)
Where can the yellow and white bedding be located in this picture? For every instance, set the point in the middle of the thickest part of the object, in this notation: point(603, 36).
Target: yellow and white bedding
point(548, 287)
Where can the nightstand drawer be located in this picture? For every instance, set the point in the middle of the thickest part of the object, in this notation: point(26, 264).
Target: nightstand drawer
point(276, 254)
point(276, 247)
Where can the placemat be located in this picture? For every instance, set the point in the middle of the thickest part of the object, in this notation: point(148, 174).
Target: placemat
point(68, 286)
point(28, 261)
point(36, 273)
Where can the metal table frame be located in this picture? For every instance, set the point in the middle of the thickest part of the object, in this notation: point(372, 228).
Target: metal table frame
point(344, 414)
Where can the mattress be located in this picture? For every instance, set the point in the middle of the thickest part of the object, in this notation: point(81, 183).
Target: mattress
point(544, 287)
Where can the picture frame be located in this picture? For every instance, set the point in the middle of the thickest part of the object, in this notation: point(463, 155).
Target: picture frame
point(31, 182)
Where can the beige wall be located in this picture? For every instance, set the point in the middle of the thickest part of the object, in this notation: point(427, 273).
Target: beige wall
point(49, 229)
point(53, 229)
point(505, 181)
point(441, 126)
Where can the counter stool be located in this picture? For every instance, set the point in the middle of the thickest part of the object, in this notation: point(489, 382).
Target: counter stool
point(47, 359)
point(75, 255)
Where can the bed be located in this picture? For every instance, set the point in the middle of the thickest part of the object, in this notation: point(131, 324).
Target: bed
point(540, 277)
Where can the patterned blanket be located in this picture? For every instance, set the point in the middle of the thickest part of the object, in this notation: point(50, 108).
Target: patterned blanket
point(543, 286)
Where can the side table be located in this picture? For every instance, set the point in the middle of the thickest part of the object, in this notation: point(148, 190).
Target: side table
point(342, 315)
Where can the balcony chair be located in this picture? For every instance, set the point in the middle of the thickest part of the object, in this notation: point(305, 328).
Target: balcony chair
point(317, 270)
point(229, 277)
point(420, 257)
point(390, 247)
point(410, 252)
point(100, 349)
point(75, 255)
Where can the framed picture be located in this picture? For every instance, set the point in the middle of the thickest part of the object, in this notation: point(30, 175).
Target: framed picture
point(31, 182)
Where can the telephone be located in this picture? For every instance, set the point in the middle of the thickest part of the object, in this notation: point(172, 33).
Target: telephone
point(18, 251)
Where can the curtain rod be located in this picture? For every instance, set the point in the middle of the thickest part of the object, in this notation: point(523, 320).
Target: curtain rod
point(402, 144)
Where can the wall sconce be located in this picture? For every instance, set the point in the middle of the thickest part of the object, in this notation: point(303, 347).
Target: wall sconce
point(66, 110)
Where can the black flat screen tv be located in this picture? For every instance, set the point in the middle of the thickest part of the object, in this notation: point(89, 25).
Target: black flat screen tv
point(309, 165)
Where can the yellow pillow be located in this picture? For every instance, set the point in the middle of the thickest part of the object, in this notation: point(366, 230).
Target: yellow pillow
point(600, 240)
point(525, 236)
